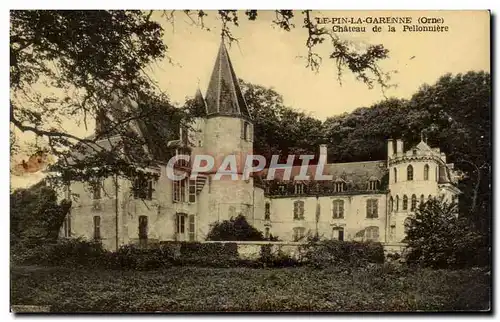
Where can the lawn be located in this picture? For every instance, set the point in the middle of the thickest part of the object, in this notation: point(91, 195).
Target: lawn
point(247, 289)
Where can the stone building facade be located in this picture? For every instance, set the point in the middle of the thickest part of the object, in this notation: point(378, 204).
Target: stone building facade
point(364, 200)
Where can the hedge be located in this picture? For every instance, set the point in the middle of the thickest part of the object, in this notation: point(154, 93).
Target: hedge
point(333, 252)
point(79, 252)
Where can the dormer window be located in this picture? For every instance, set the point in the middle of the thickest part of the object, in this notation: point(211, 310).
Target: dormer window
point(281, 189)
point(299, 188)
point(373, 184)
point(339, 186)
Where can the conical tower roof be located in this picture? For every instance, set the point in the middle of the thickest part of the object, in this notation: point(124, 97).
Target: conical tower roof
point(224, 95)
point(199, 107)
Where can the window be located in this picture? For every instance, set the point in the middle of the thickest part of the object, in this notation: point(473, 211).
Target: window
point(338, 233)
point(372, 208)
point(338, 186)
point(298, 233)
point(192, 235)
point(372, 185)
point(181, 223)
point(192, 191)
point(298, 210)
point(414, 152)
point(409, 173)
point(422, 199)
point(67, 226)
point(179, 190)
point(266, 233)
point(299, 188)
point(395, 175)
point(371, 233)
point(391, 204)
point(429, 198)
point(405, 202)
point(143, 230)
point(426, 172)
point(281, 189)
point(413, 202)
point(267, 214)
point(96, 189)
point(338, 209)
point(397, 203)
point(246, 131)
point(143, 188)
point(97, 227)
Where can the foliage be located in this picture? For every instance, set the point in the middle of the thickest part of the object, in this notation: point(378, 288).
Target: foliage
point(278, 129)
point(66, 252)
point(234, 229)
point(35, 215)
point(438, 238)
point(194, 289)
point(328, 253)
point(138, 258)
point(278, 258)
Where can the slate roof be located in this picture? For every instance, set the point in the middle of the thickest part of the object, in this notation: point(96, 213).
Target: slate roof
point(356, 175)
point(224, 96)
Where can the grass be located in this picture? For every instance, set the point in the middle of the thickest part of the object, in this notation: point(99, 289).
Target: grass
point(379, 288)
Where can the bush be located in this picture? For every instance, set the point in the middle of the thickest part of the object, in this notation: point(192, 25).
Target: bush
point(233, 230)
point(326, 253)
point(278, 259)
point(437, 237)
point(137, 258)
point(208, 254)
point(65, 252)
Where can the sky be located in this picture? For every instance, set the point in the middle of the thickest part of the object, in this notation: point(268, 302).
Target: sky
point(269, 56)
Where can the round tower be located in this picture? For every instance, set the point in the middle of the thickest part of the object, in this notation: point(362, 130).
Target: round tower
point(228, 137)
point(413, 179)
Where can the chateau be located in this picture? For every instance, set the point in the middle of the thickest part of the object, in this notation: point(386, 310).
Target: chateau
point(364, 200)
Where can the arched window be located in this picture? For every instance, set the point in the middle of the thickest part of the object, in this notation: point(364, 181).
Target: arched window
point(391, 204)
point(426, 172)
point(395, 175)
point(405, 202)
point(298, 210)
point(397, 203)
point(338, 209)
point(429, 198)
point(422, 199)
point(413, 202)
point(267, 215)
point(371, 233)
point(409, 173)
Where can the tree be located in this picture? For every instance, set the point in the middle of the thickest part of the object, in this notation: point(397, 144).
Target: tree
point(234, 229)
point(91, 64)
point(438, 238)
point(279, 129)
point(36, 215)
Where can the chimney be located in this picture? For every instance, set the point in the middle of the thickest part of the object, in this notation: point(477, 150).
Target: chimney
point(399, 146)
point(390, 148)
point(323, 151)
